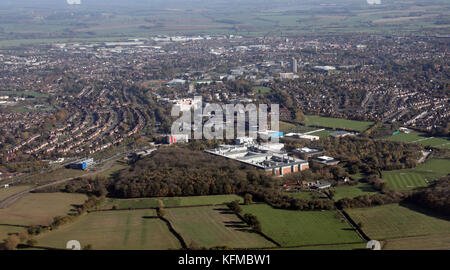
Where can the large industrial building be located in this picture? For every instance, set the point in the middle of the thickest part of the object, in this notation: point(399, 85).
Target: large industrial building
point(261, 156)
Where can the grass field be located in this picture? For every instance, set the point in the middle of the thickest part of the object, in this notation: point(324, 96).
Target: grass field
point(8, 192)
point(290, 127)
point(296, 228)
point(111, 171)
point(347, 191)
point(214, 226)
point(337, 123)
point(136, 229)
point(5, 230)
point(261, 89)
point(419, 138)
point(39, 208)
point(417, 177)
point(169, 201)
point(396, 221)
point(429, 242)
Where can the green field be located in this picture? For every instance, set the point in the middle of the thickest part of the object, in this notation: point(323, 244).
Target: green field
point(261, 89)
point(395, 221)
point(419, 138)
point(8, 192)
point(429, 242)
point(296, 228)
point(111, 171)
point(210, 226)
point(40, 208)
point(169, 201)
point(337, 123)
point(420, 176)
point(5, 230)
point(347, 191)
point(138, 229)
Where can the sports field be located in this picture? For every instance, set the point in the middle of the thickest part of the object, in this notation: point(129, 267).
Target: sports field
point(8, 192)
point(420, 176)
point(347, 191)
point(419, 138)
point(210, 226)
point(337, 123)
point(396, 221)
point(137, 229)
point(169, 201)
point(261, 89)
point(429, 242)
point(296, 228)
point(40, 208)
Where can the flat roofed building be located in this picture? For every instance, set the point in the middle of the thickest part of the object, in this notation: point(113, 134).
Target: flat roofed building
point(327, 160)
point(339, 134)
point(307, 153)
point(273, 163)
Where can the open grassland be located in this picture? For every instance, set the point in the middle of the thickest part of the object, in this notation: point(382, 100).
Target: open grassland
point(429, 242)
point(51, 176)
point(210, 226)
point(296, 228)
point(138, 229)
point(8, 192)
point(419, 138)
point(261, 89)
point(114, 169)
point(347, 191)
point(40, 208)
point(420, 176)
point(337, 123)
point(330, 247)
point(6, 230)
point(396, 221)
point(169, 201)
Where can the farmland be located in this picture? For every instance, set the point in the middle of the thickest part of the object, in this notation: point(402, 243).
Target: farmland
point(420, 176)
point(337, 123)
point(39, 208)
point(251, 18)
point(419, 138)
point(169, 201)
point(214, 226)
point(396, 221)
point(347, 191)
point(429, 242)
point(297, 228)
point(138, 229)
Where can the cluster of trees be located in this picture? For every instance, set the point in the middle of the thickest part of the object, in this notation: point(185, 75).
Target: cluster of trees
point(13, 240)
point(372, 200)
point(279, 200)
point(370, 156)
point(182, 172)
point(435, 197)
